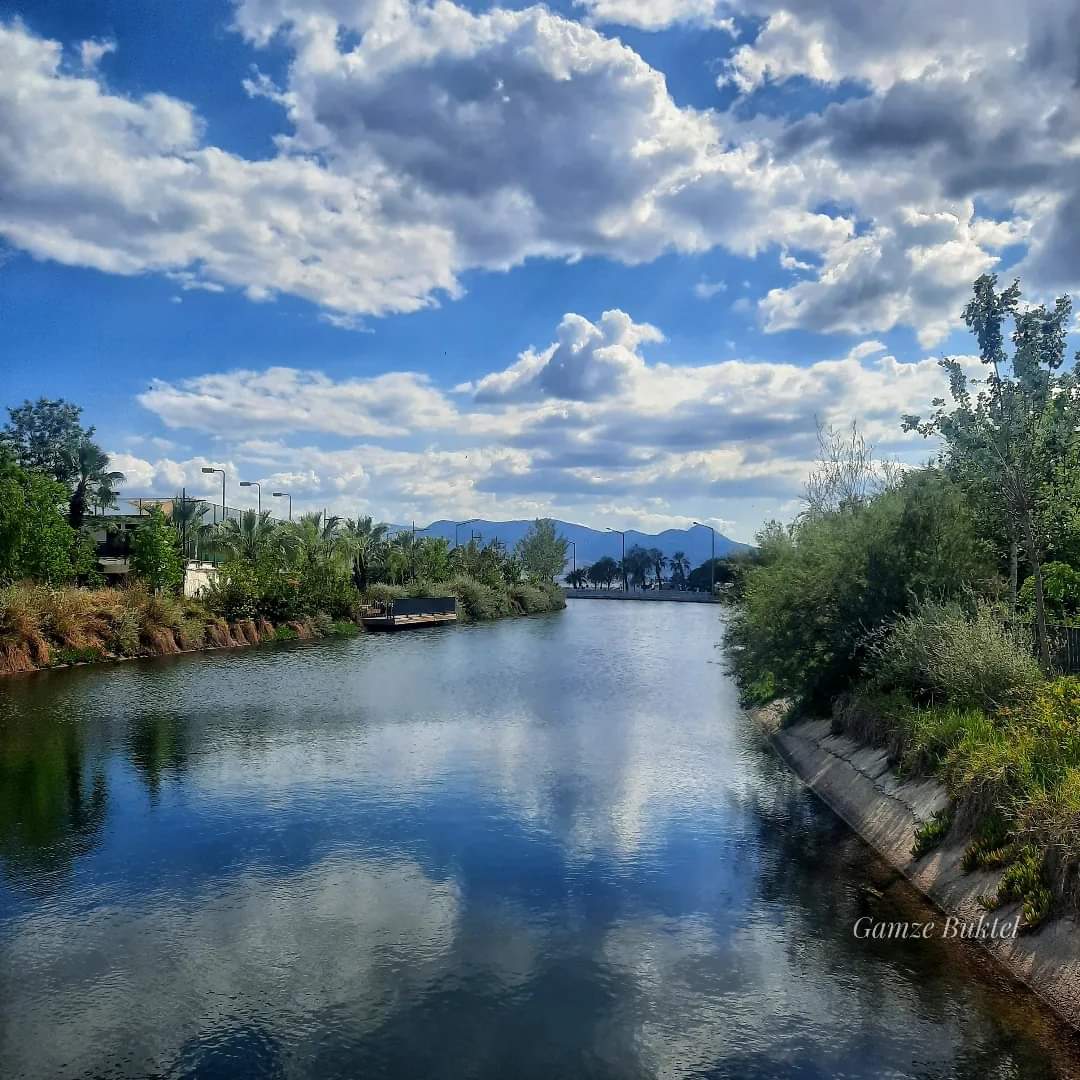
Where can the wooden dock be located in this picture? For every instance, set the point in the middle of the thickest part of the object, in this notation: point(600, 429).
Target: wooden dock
point(407, 622)
point(413, 612)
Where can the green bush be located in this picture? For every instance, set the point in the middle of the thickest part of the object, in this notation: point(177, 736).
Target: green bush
point(479, 601)
point(970, 657)
point(931, 832)
point(808, 610)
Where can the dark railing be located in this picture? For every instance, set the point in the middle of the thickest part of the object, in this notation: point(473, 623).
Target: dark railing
point(1064, 644)
point(424, 605)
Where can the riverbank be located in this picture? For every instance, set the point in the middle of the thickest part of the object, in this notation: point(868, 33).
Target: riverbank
point(858, 784)
point(44, 629)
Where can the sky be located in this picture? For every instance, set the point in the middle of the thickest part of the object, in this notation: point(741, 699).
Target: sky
point(611, 261)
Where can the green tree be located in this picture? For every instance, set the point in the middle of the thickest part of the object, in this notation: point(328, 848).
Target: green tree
point(542, 551)
point(365, 542)
point(36, 541)
point(603, 572)
point(1020, 434)
point(638, 563)
point(250, 538)
point(40, 436)
point(659, 561)
point(680, 569)
point(155, 554)
point(87, 466)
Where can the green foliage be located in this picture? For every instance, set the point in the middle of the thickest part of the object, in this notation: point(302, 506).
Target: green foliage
point(604, 572)
point(155, 554)
point(968, 654)
point(36, 541)
point(542, 551)
point(931, 832)
point(1061, 587)
point(818, 589)
point(479, 601)
point(40, 436)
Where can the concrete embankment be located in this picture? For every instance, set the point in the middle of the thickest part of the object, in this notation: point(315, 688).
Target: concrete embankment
point(857, 783)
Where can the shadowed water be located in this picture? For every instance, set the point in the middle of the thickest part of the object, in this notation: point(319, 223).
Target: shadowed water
point(548, 847)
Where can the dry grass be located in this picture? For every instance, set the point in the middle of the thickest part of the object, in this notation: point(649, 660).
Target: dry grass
point(40, 626)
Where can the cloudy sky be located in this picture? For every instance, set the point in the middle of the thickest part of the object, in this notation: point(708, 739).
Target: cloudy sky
point(603, 259)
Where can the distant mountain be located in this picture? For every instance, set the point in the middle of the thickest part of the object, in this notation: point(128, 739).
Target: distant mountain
point(592, 544)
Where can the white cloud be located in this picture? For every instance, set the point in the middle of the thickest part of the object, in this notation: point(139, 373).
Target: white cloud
point(91, 52)
point(706, 289)
point(657, 14)
point(586, 428)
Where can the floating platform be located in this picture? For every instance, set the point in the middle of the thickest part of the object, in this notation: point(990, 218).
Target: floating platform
point(406, 622)
point(414, 612)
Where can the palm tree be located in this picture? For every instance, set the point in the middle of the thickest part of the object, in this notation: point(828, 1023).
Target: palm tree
point(250, 537)
point(88, 465)
point(313, 540)
point(365, 541)
point(656, 557)
point(680, 567)
point(188, 518)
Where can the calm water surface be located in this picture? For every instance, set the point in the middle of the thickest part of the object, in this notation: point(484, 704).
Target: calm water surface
point(550, 847)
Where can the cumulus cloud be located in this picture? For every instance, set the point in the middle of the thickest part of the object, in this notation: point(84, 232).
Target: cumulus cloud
point(242, 402)
point(588, 421)
point(425, 139)
point(587, 361)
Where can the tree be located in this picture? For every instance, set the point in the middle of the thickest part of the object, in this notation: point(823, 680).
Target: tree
point(659, 561)
point(87, 466)
point(40, 436)
point(188, 518)
point(576, 578)
point(365, 542)
point(251, 537)
point(637, 564)
point(603, 572)
point(542, 551)
point(155, 554)
point(36, 541)
point(680, 569)
point(1020, 435)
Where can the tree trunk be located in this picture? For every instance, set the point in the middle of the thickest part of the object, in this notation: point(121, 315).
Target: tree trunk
point(77, 506)
point(1014, 569)
point(1041, 636)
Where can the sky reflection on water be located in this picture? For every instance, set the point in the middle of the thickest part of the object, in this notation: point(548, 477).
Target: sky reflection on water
point(546, 847)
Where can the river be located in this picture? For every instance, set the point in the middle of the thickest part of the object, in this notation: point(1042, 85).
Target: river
point(549, 847)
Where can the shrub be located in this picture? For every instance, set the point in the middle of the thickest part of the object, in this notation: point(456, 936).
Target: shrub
point(478, 601)
point(529, 599)
point(23, 646)
point(967, 657)
point(820, 587)
point(931, 832)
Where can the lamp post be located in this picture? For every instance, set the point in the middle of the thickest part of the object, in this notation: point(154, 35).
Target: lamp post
point(207, 469)
point(712, 560)
point(284, 495)
point(458, 526)
point(625, 583)
point(254, 484)
point(574, 546)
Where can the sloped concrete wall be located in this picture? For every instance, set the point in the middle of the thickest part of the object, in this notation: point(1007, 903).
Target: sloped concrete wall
point(856, 782)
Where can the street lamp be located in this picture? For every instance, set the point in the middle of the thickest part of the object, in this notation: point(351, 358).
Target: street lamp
point(284, 495)
point(712, 560)
point(625, 583)
point(207, 469)
point(254, 484)
point(458, 526)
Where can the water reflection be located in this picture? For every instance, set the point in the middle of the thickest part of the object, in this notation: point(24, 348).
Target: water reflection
point(52, 801)
point(544, 848)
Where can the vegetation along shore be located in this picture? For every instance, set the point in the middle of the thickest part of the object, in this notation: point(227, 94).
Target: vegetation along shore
point(932, 612)
point(261, 579)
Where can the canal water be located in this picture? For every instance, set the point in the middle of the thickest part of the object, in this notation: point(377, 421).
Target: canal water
point(548, 847)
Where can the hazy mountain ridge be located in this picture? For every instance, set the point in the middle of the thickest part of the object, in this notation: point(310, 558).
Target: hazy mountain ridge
point(592, 544)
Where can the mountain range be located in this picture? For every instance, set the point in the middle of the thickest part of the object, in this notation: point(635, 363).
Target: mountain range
point(592, 544)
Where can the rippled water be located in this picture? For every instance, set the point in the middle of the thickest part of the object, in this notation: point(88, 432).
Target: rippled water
point(549, 847)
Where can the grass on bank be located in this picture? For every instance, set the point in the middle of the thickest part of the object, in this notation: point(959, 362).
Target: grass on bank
point(44, 627)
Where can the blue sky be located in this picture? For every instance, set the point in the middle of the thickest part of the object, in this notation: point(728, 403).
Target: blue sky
point(609, 260)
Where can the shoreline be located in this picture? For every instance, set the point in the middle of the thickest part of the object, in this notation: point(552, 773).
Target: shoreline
point(857, 783)
point(240, 637)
